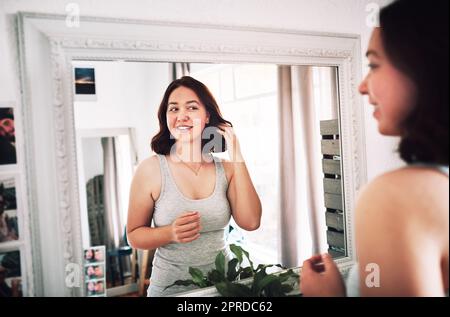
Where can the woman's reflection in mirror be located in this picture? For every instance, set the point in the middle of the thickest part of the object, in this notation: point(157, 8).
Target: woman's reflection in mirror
point(188, 193)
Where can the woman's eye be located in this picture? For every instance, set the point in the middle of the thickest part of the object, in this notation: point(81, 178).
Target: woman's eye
point(192, 108)
point(373, 66)
point(173, 109)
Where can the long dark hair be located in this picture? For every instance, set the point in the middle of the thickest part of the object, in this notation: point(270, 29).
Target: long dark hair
point(162, 142)
point(415, 37)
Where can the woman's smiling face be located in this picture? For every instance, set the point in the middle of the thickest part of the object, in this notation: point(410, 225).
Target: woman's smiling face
point(390, 91)
point(186, 115)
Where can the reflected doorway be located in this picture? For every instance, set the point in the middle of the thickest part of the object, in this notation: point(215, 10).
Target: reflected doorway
point(106, 159)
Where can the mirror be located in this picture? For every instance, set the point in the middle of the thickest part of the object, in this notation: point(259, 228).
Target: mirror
point(295, 91)
point(280, 113)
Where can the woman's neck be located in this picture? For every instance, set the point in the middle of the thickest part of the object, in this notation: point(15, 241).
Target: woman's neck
point(188, 152)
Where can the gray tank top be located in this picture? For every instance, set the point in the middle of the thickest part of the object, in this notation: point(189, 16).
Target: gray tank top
point(352, 281)
point(172, 261)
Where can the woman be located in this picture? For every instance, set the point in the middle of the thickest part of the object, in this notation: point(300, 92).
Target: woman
point(189, 194)
point(402, 217)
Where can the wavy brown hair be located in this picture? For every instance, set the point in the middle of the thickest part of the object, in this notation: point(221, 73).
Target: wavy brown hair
point(415, 37)
point(162, 141)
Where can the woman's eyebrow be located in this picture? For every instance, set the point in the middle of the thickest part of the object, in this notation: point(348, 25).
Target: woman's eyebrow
point(187, 102)
point(372, 52)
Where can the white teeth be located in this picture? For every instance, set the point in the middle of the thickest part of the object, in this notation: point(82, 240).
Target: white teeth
point(183, 128)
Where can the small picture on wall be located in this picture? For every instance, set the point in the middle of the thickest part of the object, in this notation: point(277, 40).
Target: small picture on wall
point(94, 271)
point(96, 288)
point(94, 255)
point(10, 274)
point(84, 81)
point(7, 137)
point(9, 230)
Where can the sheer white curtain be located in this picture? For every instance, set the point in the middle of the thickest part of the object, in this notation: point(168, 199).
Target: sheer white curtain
point(288, 182)
point(302, 208)
point(178, 70)
point(112, 200)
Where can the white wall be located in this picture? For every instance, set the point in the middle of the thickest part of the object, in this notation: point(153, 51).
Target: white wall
point(128, 95)
point(92, 158)
point(337, 16)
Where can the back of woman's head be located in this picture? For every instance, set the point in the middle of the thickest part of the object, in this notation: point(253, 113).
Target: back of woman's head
point(415, 38)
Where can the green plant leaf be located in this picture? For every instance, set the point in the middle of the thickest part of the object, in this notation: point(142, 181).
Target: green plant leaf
point(256, 280)
point(182, 283)
point(228, 289)
point(220, 263)
point(215, 276)
point(245, 273)
point(287, 288)
point(237, 251)
point(287, 275)
point(274, 289)
point(264, 282)
point(263, 267)
point(248, 258)
point(197, 277)
point(233, 273)
point(240, 252)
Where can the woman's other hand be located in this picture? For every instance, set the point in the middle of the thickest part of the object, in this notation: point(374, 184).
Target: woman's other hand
point(234, 148)
point(320, 277)
point(186, 228)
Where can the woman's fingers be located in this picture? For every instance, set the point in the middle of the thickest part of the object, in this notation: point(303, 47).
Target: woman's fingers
point(328, 263)
point(188, 227)
point(185, 219)
point(307, 266)
point(220, 131)
point(223, 126)
point(314, 263)
point(316, 258)
point(225, 129)
point(188, 234)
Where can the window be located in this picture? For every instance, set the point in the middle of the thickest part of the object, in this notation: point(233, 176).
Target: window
point(248, 97)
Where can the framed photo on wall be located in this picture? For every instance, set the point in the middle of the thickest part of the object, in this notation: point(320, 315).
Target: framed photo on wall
point(8, 154)
point(9, 228)
point(85, 85)
point(10, 274)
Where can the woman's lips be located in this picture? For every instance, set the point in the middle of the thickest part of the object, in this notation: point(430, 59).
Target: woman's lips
point(184, 129)
point(376, 113)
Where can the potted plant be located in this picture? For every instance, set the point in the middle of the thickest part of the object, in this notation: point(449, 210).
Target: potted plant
point(229, 278)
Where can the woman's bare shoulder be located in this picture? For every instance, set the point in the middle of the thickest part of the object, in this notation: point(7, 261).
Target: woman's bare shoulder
point(228, 167)
point(405, 182)
point(148, 170)
point(149, 163)
point(412, 192)
point(402, 225)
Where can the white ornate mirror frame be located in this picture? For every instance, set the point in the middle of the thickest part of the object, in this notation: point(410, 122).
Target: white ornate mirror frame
point(47, 45)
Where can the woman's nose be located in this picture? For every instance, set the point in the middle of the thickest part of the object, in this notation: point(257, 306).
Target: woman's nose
point(363, 87)
point(182, 117)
